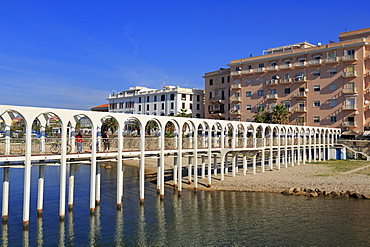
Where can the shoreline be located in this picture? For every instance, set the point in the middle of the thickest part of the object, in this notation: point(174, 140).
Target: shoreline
point(306, 176)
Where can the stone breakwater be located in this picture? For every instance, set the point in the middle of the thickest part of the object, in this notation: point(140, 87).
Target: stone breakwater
point(321, 192)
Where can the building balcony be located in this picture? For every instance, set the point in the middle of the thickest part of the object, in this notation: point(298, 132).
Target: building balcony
point(349, 74)
point(272, 68)
point(236, 86)
point(286, 66)
point(218, 112)
point(349, 124)
point(247, 71)
point(300, 109)
point(332, 60)
point(236, 73)
point(214, 100)
point(235, 112)
point(300, 79)
point(272, 82)
point(349, 108)
point(349, 90)
point(300, 95)
point(286, 81)
point(259, 70)
point(348, 58)
point(235, 99)
point(272, 96)
point(300, 64)
point(315, 62)
point(300, 123)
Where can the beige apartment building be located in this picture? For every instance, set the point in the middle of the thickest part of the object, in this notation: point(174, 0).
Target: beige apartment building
point(323, 85)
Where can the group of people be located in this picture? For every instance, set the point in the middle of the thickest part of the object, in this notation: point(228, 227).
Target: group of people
point(105, 139)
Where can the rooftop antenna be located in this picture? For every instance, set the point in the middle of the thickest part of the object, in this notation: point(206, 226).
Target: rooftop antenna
point(164, 80)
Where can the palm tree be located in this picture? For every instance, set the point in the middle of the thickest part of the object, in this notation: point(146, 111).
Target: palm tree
point(182, 113)
point(280, 115)
point(110, 123)
point(262, 116)
point(151, 125)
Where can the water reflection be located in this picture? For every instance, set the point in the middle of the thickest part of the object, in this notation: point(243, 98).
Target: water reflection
point(25, 238)
point(70, 228)
point(95, 228)
point(142, 226)
point(4, 237)
point(39, 239)
point(61, 233)
point(118, 237)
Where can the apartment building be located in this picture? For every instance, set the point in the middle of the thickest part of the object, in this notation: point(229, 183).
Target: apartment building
point(321, 85)
point(168, 101)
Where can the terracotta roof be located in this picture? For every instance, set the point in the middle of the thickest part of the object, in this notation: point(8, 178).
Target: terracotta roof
point(100, 106)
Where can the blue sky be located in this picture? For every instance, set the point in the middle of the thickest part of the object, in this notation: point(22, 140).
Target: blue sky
point(72, 54)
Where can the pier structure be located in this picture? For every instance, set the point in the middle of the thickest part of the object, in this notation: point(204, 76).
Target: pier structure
point(218, 143)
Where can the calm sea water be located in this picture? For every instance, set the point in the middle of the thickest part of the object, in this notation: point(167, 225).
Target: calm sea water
point(194, 219)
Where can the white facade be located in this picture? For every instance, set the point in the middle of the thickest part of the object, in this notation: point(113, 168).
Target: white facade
point(163, 102)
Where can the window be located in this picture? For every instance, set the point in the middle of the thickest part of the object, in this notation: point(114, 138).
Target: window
point(260, 106)
point(228, 79)
point(191, 106)
point(287, 76)
point(139, 99)
point(316, 72)
point(248, 94)
point(332, 54)
point(183, 105)
point(172, 105)
point(286, 104)
point(349, 52)
point(302, 59)
point(147, 99)
point(260, 93)
point(191, 97)
point(317, 57)
point(155, 107)
point(273, 64)
point(237, 81)
point(198, 98)
point(183, 96)
point(248, 120)
point(287, 61)
point(301, 104)
point(222, 95)
point(237, 95)
point(273, 91)
point(316, 103)
point(316, 119)
point(249, 81)
point(139, 107)
point(210, 82)
point(172, 96)
point(238, 68)
point(147, 107)
point(163, 97)
point(249, 67)
point(333, 71)
point(198, 107)
point(260, 79)
point(248, 107)
point(316, 88)
point(300, 120)
point(332, 102)
point(333, 86)
point(222, 80)
point(210, 94)
point(287, 90)
point(162, 106)
point(261, 65)
point(333, 119)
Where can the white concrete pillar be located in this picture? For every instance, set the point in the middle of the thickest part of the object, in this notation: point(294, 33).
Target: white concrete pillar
point(40, 190)
point(120, 170)
point(175, 172)
point(190, 166)
point(203, 175)
point(254, 163)
point(234, 160)
point(27, 178)
point(179, 156)
point(7, 140)
point(97, 191)
point(63, 174)
point(222, 166)
point(5, 201)
point(215, 164)
point(93, 168)
point(245, 165)
point(71, 186)
point(141, 168)
point(159, 174)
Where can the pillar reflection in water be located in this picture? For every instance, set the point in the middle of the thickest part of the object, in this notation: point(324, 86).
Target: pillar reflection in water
point(142, 227)
point(25, 238)
point(161, 223)
point(71, 234)
point(118, 237)
point(40, 232)
point(95, 227)
point(61, 233)
point(4, 236)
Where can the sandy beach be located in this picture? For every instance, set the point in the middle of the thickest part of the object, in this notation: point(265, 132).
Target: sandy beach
point(310, 175)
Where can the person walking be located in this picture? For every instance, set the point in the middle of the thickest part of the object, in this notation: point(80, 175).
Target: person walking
point(106, 143)
point(79, 142)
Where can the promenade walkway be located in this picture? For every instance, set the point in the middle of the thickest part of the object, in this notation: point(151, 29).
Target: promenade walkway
point(145, 136)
